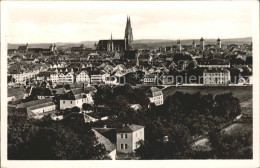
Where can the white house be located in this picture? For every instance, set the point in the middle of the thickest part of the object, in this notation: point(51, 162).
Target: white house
point(150, 79)
point(155, 96)
point(98, 78)
point(216, 77)
point(82, 77)
point(62, 77)
point(128, 138)
point(75, 97)
point(22, 76)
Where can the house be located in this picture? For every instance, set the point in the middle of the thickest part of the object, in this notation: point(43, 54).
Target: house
point(63, 75)
point(98, 77)
point(82, 77)
point(42, 92)
point(23, 49)
point(128, 138)
point(111, 80)
point(216, 77)
point(40, 110)
point(11, 51)
point(21, 73)
point(155, 96)
point(150, 79)
point(75, 97)
point(107, 137)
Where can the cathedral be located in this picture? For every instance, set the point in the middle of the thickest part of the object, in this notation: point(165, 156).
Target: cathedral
point(120, 44)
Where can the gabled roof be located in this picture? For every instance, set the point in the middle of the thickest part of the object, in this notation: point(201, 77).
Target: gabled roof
point(106, 142)
point(73, 94)
point(150, 92)
point(130, 128)
point(41, 91)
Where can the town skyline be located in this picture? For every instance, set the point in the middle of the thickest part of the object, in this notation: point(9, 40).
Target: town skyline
point(205, 21)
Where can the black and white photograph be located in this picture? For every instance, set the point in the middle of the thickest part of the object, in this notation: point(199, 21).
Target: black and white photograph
point(130, 80)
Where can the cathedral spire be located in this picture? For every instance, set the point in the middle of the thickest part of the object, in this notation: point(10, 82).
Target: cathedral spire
point(129, 22)
point(128, 35)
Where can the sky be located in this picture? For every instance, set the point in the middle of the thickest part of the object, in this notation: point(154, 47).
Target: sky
point(48, 22)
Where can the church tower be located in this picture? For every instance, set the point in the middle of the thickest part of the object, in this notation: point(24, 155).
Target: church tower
point(219, 43)
point(202, 44)
point(128, 35)
point(179, 44)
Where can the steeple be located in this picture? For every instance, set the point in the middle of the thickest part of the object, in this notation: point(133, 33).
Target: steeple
point(128, 35)
point(129, 21)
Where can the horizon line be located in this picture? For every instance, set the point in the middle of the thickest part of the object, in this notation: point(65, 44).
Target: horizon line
point(133, 40)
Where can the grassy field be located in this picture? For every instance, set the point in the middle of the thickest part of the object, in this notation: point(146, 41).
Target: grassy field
point(243, 93)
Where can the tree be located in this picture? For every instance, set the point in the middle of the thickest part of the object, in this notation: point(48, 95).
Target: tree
point(87, 107)
point(120, 105)
point(30, 139)
point(227, 106)
point(231, 146)
point(75, 109)
point(164, 141)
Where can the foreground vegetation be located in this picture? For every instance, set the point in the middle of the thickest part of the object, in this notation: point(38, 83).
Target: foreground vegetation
point(170, 129)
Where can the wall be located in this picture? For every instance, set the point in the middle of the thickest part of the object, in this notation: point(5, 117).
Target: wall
point(128, 141)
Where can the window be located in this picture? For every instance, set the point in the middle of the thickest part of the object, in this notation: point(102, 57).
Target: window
point(125, 146)
point(122, 136)
point(70, 102)
point(122, 146)
point(125, 136)
point(63, 102)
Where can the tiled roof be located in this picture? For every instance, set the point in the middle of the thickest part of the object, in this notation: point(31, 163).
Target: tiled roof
point(34, 102)
point(130, 128)
point(73, 94)
point(40, 106)
point(152, 91)
point(41, 92)
point(106, 142)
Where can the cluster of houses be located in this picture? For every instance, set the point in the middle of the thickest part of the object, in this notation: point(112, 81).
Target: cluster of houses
point(53, 80)
point(101, 67)
point(119, 143)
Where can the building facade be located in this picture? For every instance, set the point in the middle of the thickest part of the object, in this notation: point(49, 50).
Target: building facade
point(216, 77)
point(155, 96)
point(82, 77)
point(38, 111)
point(75, 97)
point(128, 138)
